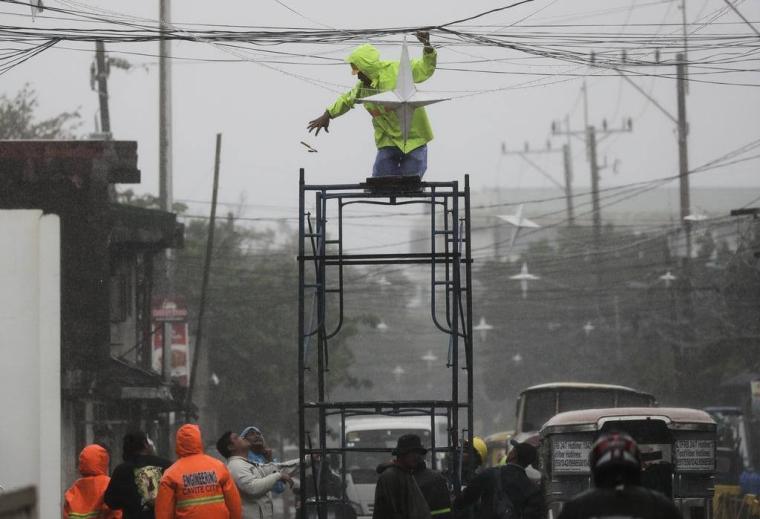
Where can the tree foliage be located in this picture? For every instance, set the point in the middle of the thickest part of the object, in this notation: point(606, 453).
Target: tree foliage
point(251, 322)
point(18, 121)
point(679, 340)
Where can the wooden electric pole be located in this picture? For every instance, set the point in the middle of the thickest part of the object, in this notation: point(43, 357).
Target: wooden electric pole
point(683, 151)
point(165, 112)
point(101, 83)
point(567, 162)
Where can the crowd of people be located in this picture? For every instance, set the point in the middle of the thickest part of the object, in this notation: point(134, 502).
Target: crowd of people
point(196, 485)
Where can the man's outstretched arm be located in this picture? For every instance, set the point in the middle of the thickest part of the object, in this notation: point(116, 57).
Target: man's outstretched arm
point(343, 104)
point(423, 68)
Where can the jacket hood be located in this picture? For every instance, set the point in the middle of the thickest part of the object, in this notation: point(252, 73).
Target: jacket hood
point(189, 441)
point(93, 461)
point(367, 59)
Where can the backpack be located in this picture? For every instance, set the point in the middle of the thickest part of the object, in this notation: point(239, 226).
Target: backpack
point(503, 508)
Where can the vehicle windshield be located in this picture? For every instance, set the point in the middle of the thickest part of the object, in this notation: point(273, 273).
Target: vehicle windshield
point(363, 465)
point(540, 406)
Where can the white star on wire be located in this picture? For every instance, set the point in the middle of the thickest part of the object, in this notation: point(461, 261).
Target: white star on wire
point(405, 98)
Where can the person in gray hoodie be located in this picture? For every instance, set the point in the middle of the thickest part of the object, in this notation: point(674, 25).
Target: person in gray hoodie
point(254, 481)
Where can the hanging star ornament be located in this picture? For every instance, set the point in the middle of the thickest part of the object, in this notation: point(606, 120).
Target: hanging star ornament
point(523, 277)
point(405, 98)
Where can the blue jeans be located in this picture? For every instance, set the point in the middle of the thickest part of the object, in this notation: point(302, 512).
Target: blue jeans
point(390, 161)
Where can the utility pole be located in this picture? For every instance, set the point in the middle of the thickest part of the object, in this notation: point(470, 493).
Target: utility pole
point(165, 181)
point(567, 160)
point(101, 82)
point(164, 112)
point(589, 135)
point(683, 151)
point(567, 163)
point(594, 165)
point(682, 126)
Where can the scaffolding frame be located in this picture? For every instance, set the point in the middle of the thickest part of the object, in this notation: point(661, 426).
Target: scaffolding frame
point(444, 200)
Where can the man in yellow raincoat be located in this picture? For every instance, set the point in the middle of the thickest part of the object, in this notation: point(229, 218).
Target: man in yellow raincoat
point(395, 156)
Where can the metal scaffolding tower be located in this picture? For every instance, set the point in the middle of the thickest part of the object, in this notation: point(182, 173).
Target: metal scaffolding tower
point(321, 263)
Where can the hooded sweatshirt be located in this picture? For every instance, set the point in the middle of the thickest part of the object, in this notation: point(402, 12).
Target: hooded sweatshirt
point(383, 75)
point(84, 499)
point(197, 486)
point(134, 485)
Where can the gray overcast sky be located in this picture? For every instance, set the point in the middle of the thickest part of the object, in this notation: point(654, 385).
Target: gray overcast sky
point(263, 113)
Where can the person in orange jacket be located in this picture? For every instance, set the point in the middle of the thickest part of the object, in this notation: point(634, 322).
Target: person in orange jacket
point(84, 499)
point(196, 486)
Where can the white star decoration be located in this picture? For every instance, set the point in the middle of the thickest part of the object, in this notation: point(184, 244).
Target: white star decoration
point(405, 98)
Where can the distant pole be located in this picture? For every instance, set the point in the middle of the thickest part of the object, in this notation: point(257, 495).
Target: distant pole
point(596, 209)
point(595, 206)
point(683, 152)
point(101, 80)
point(568, 163)
point(206, 272)
point(101, 76)
point(566, 187)
point(685, 39)
point(585, 104)
point(165, 113)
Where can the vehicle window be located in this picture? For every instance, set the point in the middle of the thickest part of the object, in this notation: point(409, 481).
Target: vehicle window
point(626, 399)
point(539, 407)
point(362, 465)
point(383, 437)
point(575, 399)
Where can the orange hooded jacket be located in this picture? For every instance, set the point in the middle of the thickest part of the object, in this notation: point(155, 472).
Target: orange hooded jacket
point(196, 486)
point(84, 499)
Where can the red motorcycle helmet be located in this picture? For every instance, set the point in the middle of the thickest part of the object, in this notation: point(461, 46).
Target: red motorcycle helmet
point(615, 459)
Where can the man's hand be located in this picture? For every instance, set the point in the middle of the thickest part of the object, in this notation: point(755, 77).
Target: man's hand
point(286, 478)
point(424, 38)
point(323, 121)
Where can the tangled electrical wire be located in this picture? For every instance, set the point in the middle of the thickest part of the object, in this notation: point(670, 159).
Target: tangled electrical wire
point(580, 45)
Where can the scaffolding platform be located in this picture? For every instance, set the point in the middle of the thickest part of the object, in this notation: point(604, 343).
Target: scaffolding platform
point(322, 259)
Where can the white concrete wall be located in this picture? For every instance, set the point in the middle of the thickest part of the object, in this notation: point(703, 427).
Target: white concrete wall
point(30, 349)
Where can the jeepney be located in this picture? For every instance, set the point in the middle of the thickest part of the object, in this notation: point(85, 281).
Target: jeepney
point(677, 447)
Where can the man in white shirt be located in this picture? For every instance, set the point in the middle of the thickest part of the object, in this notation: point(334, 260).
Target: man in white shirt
point(254, 481)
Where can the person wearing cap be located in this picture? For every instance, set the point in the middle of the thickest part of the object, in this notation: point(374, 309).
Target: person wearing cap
point(196, 486)
point(487, 489)
point(407, 488)
point(260, 453)
point(396, 155)
point(85, 497)
point(254, 481)
point(615, 462)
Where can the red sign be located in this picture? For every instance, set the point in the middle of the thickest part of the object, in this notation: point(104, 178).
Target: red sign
point(168, 309)
point(180, 348)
